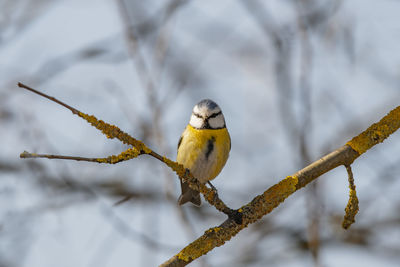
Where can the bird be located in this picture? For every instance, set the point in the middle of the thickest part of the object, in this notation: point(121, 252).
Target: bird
point(203, 147)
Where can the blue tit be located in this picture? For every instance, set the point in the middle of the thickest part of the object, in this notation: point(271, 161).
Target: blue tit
point(203, 147)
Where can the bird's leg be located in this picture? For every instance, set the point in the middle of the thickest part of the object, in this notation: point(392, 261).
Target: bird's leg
point(214, 189)
point(187, 171)
point(235, 215)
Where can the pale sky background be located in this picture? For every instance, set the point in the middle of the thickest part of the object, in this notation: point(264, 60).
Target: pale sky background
point(355, 80)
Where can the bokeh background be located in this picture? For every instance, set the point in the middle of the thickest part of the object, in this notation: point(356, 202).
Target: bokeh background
point(295, 80)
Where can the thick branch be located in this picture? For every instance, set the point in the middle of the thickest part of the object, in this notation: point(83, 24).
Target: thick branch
point(275, 195)
point(262, 205)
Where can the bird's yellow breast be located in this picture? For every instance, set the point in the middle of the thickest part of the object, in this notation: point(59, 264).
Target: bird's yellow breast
point(204, 151)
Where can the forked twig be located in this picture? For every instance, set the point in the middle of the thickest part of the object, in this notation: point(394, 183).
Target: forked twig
point(113, 159)
point(138, 148)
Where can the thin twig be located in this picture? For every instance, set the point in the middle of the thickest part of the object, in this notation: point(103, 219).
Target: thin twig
point(352, 205)
point(113, 159)
point(351, 178)
point(27, 155)
point(75, 111)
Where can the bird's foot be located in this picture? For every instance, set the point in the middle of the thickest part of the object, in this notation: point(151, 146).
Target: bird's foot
point(236, 216)
point(214, 189)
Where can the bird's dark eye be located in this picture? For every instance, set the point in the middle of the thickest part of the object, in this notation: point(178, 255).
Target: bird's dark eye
point(214, 115)
point(197, 115)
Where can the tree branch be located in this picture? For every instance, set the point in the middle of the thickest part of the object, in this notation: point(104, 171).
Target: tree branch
point(276, 194)
point(261, 204)
point(130, 153)
point(138, 148)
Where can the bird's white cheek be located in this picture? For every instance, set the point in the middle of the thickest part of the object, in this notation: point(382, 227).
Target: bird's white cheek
point(196, 109)
point(217, 122)
point(195, 121)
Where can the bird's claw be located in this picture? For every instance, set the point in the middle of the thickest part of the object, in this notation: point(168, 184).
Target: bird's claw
point(236, 216)
point(214, 189)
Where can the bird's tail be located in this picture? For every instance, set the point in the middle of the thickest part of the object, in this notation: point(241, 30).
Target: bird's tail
point(189, 195)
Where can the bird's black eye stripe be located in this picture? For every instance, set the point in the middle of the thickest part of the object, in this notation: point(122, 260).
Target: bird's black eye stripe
point(197, 115)
point(214, 115)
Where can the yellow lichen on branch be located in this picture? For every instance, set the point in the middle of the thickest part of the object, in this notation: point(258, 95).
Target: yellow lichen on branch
point(213, 237)
point(209, 195)
point(377, 132)
point(271, 198)
point(112, 131)
point(261, 205)
point(175, 166)
point(278, 193)
point(352, 205)
point(128, 154)
point(351, 209)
